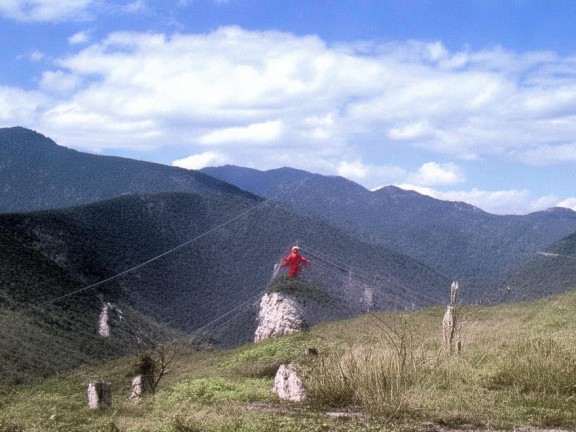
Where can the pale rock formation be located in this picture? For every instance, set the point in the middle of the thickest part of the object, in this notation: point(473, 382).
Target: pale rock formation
point(141, 385)
point(103, 321)
point(99, 395)
point(288, 385)
point(280, 314)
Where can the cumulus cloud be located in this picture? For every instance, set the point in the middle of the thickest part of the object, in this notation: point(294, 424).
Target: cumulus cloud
point(547, 154)
point(44, 10)
point(257, 133)
point(19, 106)
point(79, 38)
point(509, 201)
point(233, 82)
point(435, 174)
point(273, 98)
point(202, 160)
point(58, 82)
point(363, 173)
point(135, 6)
point(568, 203)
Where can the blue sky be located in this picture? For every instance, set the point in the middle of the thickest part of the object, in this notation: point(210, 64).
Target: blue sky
point(468, 100)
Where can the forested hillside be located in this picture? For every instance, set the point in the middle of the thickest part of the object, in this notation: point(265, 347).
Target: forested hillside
point(551, 271)
point(455, 238)
point(186, 259)
point(36, 174)
point(40, 336)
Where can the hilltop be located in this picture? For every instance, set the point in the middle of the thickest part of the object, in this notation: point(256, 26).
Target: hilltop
point(38, 174)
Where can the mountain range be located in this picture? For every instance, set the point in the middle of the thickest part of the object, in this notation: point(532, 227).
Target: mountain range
point(189, 253)
point(455, 238)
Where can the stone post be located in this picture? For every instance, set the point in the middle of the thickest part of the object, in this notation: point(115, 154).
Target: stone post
point(141, 385)
point(99, 395)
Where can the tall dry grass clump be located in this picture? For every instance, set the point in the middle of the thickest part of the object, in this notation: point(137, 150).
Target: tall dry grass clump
point(375, 378)
point(536, 365)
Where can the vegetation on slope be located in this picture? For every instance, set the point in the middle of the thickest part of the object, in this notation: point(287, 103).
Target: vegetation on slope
point(455, 238)
point(551, 271)
point(50, 254)
point(37, 174)
point(379, 373)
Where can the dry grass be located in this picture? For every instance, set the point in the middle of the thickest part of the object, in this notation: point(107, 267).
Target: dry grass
point(516, 369)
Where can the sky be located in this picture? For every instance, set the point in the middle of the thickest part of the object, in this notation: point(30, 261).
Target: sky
point(462, 100)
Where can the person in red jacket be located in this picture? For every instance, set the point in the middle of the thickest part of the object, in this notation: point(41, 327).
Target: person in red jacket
point(294, 262)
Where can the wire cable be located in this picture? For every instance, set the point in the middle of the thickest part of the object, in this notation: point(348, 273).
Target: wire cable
point(168, 252)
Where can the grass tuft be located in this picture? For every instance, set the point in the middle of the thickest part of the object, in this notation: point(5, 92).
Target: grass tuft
point(539, 365)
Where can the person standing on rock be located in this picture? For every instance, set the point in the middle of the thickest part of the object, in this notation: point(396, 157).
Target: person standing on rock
point(294, 262)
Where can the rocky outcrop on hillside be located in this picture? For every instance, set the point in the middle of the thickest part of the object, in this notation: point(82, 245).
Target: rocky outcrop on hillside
point(280, 314)
point(288, 385)
point(292, 304)
point(104, 319)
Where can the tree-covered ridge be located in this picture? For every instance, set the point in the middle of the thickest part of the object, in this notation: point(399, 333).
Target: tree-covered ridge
point(36, 174)
point(550, 271)
point(455, 238)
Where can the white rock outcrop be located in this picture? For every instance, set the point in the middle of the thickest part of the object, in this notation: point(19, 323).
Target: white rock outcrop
point(141, 385)
point(99, 395)
point(288, 385)
point(280, 314)
point(103, 320)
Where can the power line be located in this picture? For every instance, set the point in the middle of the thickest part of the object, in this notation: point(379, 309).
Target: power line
point(347, 269)
point(555, 255)
point(168, 252)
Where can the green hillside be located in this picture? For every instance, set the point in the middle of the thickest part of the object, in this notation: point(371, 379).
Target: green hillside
point(55, 336)
point(550, 271)
point(383, 372)
point(181, 260)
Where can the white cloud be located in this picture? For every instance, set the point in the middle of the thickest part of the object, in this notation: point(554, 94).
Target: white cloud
point(19, 107)
point(274, 99)
point(370, 175)
point(44, 10)
point(229, 83)
point(256, 133)
point(135, 6)
point(58, 82)
point(510, 201)
point(547, 154)
point(202, 160)
point(435, 174)
point(568, 203)
point(79, 38)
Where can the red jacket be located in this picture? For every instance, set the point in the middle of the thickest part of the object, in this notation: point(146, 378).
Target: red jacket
point(293, 262)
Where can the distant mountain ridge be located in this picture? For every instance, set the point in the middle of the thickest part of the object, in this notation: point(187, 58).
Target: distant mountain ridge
point(455, 238)
point(38, 174)
point(550, 271)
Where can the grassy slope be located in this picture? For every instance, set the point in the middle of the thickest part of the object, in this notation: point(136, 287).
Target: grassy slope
point(516, 369)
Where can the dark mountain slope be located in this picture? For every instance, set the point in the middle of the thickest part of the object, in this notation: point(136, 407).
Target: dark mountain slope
point(455, 238)
point(36, 174)
point(550, 271)
point(56, 335)
point(226, 259)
